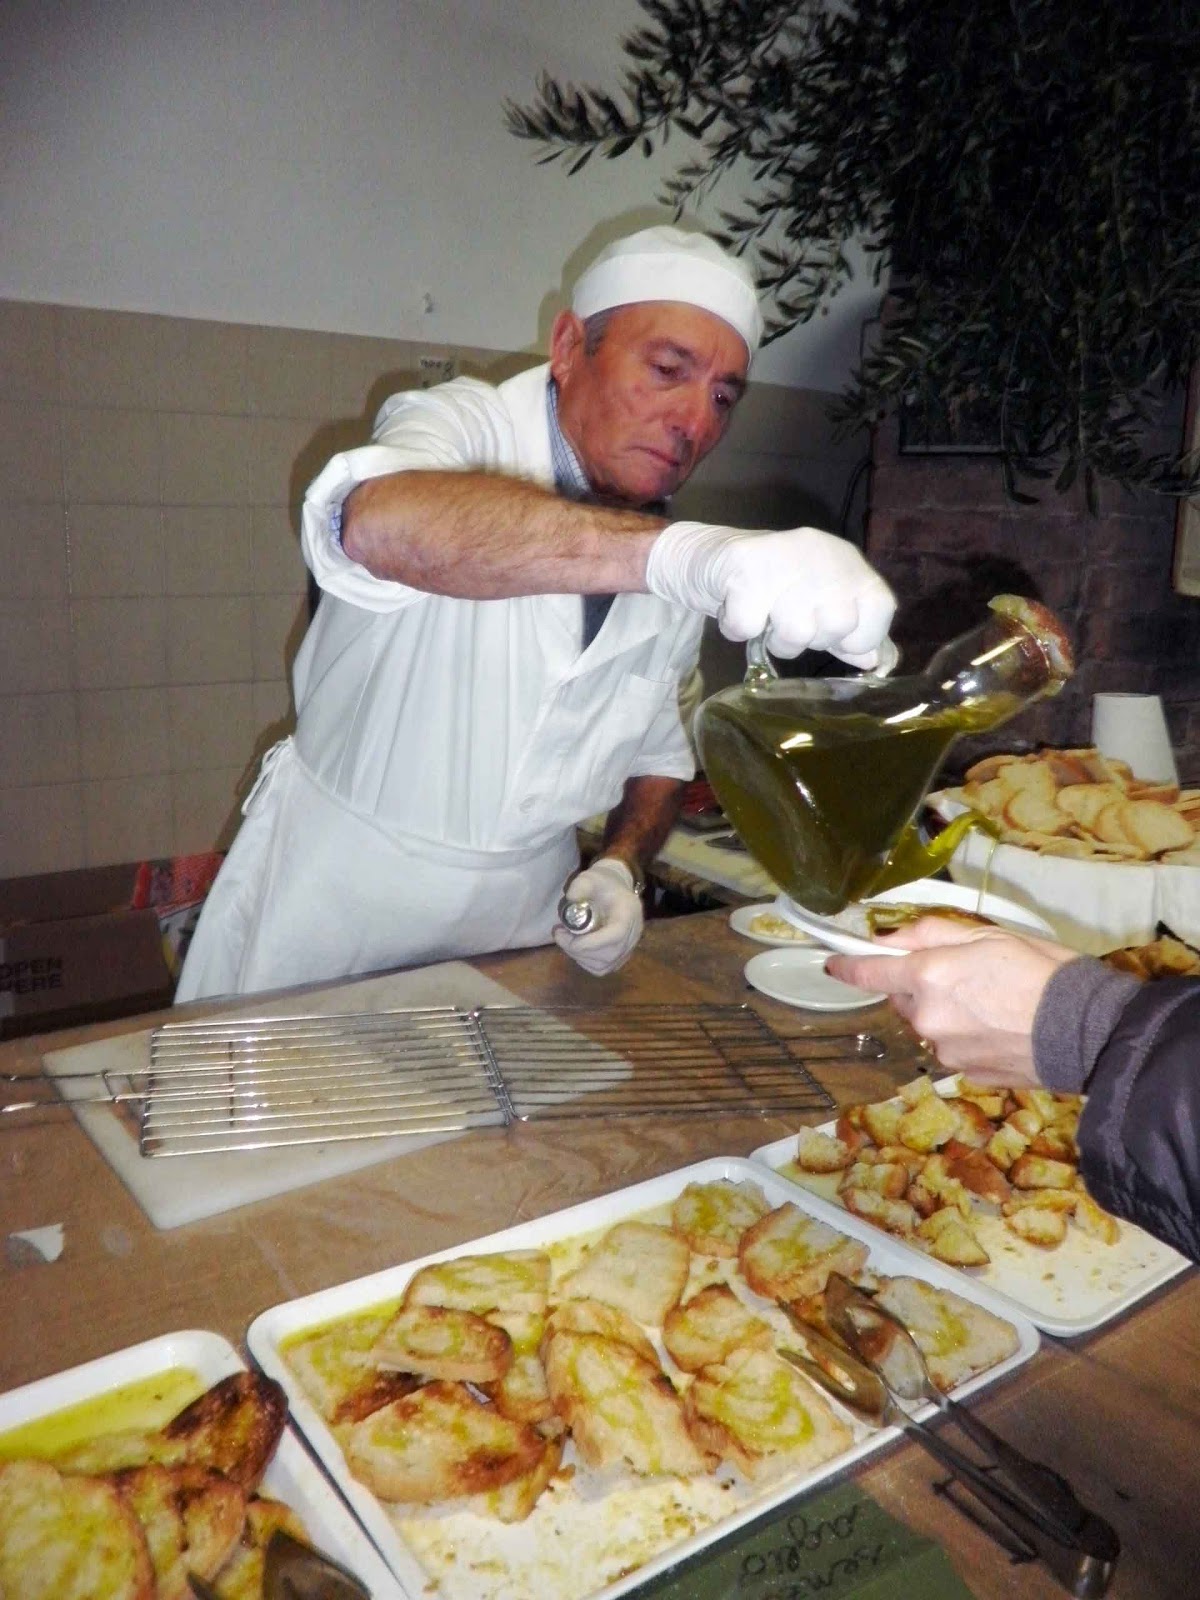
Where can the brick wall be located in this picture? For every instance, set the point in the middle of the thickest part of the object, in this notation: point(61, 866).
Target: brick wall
point(942, 531)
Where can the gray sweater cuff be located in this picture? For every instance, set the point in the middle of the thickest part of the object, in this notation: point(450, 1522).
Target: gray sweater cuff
point(1075, 1018)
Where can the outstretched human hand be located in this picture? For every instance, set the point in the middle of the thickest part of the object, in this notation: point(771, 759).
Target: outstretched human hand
point(972, 993)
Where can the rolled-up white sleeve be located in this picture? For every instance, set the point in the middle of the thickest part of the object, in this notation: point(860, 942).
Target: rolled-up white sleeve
point(433, 431)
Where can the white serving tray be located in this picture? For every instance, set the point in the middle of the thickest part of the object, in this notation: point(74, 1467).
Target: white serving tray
point(594, 1540)
point(1067, 1291)
point(291, 1477)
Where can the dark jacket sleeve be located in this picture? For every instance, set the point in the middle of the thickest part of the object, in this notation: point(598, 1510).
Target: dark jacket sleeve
point(1139, 1134)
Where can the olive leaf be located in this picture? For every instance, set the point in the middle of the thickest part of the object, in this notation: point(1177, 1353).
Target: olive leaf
point(1020, 172)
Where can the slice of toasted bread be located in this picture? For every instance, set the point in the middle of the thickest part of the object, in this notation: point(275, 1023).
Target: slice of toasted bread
point(336, 1372)
point(440, 1443)
point(988, 767)
point(233, 1427)
point(440, 1343)
point(711, 1324)
point(68, 1538)
point(120, 1451)
point(241, 1578)
point(1035, 813)
point(638, 1267)
point(192, 1518)
point(515, 1280)
point(788, 1254)
point(1155, 827)
point(712, 1217)
point(593, 1316)
point(619, 1407)
point(522, 1394)
point(756, 1410)
point(516, 1500)
point(1083, 802)
point(957, 1337)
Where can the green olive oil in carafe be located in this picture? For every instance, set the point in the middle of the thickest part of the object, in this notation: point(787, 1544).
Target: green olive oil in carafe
point(821, 777)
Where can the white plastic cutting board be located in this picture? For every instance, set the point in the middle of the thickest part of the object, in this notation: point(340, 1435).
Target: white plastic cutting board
point(185, 1188)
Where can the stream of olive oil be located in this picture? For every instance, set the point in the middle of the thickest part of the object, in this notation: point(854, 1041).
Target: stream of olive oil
point(820, 793)
point(144, 1405)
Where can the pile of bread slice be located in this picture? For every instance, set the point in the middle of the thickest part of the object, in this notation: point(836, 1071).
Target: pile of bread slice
point(1081, 804)
point(927, 1167)
point(657, 1353)
point(130, 1515)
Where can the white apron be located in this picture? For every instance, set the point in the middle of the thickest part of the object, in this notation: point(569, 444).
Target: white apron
point(307, 888)
point(445, 749)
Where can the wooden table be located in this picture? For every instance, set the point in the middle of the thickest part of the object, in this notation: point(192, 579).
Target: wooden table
point(1118, 1412)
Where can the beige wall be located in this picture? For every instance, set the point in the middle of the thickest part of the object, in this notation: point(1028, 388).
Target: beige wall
point(150, 473)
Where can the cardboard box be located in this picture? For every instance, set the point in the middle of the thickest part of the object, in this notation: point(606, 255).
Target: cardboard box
point(73, 949)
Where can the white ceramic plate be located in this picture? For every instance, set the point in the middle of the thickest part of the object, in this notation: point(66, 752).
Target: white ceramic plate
point(291, 1477)
point(1068, 1291)
point(578, 1541)
point(848, 931)
point(744, 918)
point(798, 978)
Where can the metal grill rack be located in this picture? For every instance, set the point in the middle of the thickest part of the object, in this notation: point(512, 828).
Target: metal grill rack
point(249, 1084)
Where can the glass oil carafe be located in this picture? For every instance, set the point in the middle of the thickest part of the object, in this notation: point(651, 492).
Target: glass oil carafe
point(823, 777)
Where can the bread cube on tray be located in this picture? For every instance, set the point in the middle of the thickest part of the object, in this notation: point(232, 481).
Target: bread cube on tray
point(927, 1166)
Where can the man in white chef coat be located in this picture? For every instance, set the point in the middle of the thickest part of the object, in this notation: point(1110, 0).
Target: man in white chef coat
point(460, 707)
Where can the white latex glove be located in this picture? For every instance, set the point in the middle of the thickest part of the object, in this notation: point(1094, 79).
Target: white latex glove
point(805, 589)
point(608, 944)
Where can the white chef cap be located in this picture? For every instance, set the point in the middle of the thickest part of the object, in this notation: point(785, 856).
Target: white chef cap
point(669, 264)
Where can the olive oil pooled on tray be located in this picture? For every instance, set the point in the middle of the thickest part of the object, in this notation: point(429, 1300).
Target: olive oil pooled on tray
point(821, 777)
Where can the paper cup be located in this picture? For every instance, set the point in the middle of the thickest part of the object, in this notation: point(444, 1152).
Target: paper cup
point(1132, 728)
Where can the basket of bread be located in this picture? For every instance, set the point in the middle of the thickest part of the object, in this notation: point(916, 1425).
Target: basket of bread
point(1103, 855)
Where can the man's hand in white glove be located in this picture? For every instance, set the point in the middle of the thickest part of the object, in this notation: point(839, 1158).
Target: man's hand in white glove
point(607, 885)
point(805, 589)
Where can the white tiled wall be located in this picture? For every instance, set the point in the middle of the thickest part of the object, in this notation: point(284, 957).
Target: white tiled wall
point(153, 594)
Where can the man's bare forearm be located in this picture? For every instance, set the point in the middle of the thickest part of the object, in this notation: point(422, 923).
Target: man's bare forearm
point(638, 825)
point(483, 536)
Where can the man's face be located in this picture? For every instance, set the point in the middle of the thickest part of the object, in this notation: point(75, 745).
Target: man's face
point(648, 405)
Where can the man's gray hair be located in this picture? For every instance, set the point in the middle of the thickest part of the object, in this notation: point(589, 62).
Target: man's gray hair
point(594, 329)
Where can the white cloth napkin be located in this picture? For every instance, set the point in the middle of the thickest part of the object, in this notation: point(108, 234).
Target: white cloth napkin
point(1093, 906)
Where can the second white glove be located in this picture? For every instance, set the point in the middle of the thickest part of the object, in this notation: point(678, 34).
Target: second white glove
point(608, 886)
point(807, 590)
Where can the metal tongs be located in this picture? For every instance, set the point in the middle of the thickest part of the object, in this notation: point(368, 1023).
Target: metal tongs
point(1032, 1511)
point(294, 1571)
